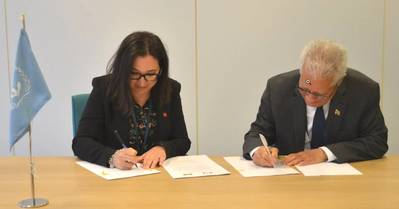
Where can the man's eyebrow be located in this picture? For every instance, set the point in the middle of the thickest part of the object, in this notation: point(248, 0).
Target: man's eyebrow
point(313, 92)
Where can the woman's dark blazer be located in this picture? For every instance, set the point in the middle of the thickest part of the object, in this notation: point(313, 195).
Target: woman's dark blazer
point(95, 140)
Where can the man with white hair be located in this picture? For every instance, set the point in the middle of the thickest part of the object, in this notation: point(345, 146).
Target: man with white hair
point(322, 112)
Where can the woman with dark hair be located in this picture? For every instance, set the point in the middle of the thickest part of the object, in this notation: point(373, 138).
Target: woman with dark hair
point(134, 113)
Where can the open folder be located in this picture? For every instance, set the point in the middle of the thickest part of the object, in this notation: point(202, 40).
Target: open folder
point(114, 173)
point(328, 169)
point(248, 169)
point(193, 166)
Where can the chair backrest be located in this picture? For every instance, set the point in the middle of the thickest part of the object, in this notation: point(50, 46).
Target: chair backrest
point(78, 105)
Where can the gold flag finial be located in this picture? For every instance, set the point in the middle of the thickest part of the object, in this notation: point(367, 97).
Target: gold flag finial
point(23, 20)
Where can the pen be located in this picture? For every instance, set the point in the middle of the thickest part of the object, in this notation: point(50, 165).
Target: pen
point(264, 142)
point(119, 138)
point(121, 141)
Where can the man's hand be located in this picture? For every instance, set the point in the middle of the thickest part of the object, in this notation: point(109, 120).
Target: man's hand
point(153, 157)
point(262, 158)
point(306, 157)
point(124, 158)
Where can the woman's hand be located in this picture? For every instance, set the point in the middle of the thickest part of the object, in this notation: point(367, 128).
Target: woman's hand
point(153, 157)
point(125, 158)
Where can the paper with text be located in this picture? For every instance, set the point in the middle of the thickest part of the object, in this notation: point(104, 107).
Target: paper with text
point(193, 166)
point(248, 169)
point(328, 169)
point(114, 173)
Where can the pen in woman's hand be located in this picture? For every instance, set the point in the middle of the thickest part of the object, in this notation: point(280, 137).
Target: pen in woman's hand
point(119, 138)
point(123, 144)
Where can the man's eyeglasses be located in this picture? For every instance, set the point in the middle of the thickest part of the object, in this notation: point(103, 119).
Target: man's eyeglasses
point(147, 76)
point(306, 92)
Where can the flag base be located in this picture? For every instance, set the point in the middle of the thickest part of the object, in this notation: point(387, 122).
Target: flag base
point(33, 203)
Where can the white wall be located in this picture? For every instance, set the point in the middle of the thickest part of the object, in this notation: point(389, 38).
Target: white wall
point(4, 86)
point(241, 43)
point(73, 41)
point(391, 75)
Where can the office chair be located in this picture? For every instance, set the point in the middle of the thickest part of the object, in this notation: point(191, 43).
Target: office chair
point(78, 106)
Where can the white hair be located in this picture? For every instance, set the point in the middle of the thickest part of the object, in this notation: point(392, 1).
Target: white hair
point(324, 59)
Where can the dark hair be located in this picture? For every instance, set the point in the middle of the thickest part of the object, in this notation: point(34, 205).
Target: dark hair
point(135, 45)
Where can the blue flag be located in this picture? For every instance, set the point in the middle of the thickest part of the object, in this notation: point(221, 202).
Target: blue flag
point(29, 90)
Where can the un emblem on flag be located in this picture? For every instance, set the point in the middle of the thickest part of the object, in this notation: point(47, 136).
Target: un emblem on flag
point(21, 87)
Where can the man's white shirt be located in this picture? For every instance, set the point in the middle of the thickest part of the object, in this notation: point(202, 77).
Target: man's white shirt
point(310, 112)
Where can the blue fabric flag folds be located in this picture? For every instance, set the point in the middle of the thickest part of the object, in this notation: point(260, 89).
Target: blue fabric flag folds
point(29, 90)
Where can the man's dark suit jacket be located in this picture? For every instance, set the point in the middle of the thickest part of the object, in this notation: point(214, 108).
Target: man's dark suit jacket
point(355, 125)
point(95, 140)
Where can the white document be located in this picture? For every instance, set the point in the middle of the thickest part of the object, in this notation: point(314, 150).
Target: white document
point(193, 166)
point(248, 169)
point(328, 169)
point(114, 173)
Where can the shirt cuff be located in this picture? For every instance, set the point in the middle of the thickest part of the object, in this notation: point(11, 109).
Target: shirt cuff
point(330, 155)
point(253, 151)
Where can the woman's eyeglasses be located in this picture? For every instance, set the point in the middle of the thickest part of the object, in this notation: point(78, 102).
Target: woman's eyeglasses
point(147, 76)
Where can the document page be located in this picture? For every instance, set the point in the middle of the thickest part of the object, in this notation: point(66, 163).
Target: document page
point(114, 173)
point(193, 166)
point(328, 169)
point(248, 169)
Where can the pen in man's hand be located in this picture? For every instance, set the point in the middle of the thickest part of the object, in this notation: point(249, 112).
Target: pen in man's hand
point(264, 142)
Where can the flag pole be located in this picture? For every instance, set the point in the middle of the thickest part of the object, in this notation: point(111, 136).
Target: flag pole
point(33, 202)
point(8, 57)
